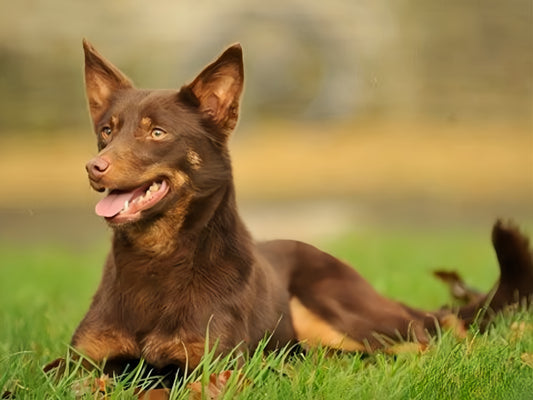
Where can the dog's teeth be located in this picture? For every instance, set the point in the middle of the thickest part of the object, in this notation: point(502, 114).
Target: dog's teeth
point(126, 205)
point(155, 187)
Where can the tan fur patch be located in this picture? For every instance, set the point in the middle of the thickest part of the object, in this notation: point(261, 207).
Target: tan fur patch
point(406, 347)
point(313, 331)
point(456, 325)
point(146, 122)
point(179, 179)
point(160, 350)
point(194, 159)
point(104, 345)
point(160, 238)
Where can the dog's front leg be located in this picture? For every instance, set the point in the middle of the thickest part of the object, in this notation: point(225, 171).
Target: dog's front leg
point(100, 345)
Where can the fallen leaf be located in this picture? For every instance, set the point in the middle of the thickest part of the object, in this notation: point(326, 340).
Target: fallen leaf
point(215, 388)
point(100, 384)
point(519, 329)
point(527, 358)
point(153, 394)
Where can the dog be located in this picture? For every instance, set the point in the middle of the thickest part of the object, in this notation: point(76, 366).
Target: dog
point(183, 268)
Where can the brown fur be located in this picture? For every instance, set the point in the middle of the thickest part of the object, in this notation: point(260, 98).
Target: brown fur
point(187, 267)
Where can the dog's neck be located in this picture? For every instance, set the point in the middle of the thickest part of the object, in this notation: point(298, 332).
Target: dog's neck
point(200, 235)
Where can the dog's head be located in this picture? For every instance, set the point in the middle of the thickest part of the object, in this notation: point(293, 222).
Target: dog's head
point(160, 149)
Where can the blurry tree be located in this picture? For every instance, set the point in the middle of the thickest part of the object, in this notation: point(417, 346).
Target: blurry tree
point(472, 59)
point(305, 59)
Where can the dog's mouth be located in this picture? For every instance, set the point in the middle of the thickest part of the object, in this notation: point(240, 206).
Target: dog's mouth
point(121, 206)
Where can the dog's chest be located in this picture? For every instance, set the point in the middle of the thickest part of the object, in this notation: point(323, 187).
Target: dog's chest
point(159, 312)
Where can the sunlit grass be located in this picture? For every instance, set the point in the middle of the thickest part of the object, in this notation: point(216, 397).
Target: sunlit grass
point(44, 292)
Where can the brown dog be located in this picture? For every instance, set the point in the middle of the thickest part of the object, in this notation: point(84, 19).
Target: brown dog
point(182, 263)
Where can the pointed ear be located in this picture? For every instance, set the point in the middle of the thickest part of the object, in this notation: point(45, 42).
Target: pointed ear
point(218, 89)
point(102, 79)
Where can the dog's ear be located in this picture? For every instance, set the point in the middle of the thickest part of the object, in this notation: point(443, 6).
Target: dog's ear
point(218, 89)
point(102, 79)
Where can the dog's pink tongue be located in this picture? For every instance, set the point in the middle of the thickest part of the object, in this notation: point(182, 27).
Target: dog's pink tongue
point(112, 204)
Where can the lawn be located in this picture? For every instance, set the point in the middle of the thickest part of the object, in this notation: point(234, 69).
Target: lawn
point(45, 289)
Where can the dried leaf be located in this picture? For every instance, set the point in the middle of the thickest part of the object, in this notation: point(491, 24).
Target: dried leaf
point(519, 329)
point(215, 388)
point(100, 384)
point(153, 394)
point(527, 358)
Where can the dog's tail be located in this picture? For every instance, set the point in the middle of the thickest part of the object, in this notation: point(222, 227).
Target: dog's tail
point(516, 275)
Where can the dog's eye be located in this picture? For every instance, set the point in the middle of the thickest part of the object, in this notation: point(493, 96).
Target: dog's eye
point(158, 133)
point(106, 131)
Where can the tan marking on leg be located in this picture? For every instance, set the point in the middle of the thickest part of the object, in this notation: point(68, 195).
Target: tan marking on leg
point(160, 350)
point(455, 324)
point(103, 345)
point(314, 331)
point(405, 347)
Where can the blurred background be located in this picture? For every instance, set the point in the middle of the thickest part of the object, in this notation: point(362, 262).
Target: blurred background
point(355, 113)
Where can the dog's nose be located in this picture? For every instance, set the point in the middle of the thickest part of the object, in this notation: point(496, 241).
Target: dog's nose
point(97, 167)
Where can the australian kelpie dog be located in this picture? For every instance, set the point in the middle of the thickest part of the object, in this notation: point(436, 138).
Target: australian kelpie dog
point(183, 265)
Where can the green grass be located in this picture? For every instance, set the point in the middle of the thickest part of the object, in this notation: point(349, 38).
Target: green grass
point(45, 290)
